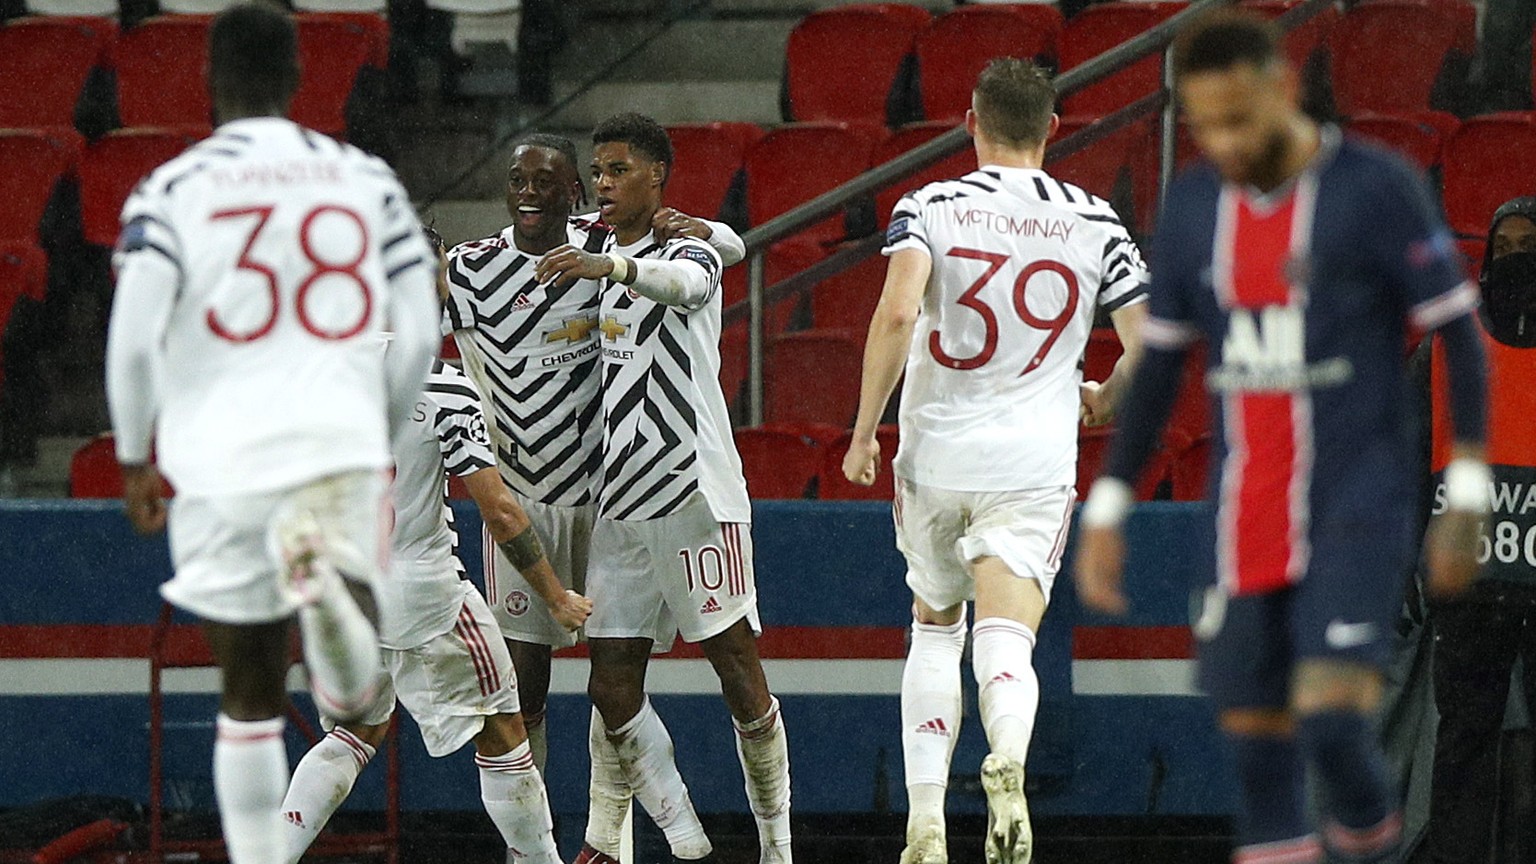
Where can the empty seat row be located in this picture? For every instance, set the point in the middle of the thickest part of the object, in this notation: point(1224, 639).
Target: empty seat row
point(161, 68)
point(854, 63)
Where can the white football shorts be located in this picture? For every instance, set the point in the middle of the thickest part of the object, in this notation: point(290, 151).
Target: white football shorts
point(566, 533)
point(226, 554)
point(682, 574)
point(941, 531)
point(451, 683)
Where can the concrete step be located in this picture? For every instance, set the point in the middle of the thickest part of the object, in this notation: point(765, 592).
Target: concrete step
point(670, 102)
point(735, 49)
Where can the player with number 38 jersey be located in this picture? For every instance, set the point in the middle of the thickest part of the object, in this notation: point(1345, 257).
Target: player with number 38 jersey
point(990, 295)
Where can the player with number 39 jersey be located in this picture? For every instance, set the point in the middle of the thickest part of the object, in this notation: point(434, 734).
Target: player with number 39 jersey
point(990, 295)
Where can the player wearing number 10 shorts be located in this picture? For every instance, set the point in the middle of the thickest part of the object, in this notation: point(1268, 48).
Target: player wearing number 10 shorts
point(255, 274)
point(993, 283)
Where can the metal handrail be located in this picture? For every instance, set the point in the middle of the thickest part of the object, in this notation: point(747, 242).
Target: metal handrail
point(758, 239)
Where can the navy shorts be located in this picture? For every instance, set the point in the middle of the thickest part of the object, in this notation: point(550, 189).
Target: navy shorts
point(1345, 608)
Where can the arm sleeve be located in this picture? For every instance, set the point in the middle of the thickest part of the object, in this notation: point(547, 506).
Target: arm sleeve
point(1416, 252)
point(461, 434)
point(1169, 331)
point(688, 275)
point(459, 311)
point(906, 230)
point(1466, 367)
point(149, 276)
point(410, 269)
point(726, 242)
point(1125, 273)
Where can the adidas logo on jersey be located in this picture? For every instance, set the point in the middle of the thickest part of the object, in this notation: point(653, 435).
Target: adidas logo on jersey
point(294, 817)
point(710, 605)
point(934, 727)
point(522, 303)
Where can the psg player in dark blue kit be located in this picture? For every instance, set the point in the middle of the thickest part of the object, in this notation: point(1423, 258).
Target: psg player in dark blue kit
point(1304, 261)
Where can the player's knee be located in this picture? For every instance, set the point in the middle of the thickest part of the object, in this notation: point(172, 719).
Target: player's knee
point(501, 734)
point(1257, 722)
point(733, 653)
point(922, 613)
point(615, 692)
point(373, 736)
point(1322, 685)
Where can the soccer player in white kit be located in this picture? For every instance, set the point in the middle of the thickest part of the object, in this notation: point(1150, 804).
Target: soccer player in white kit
point(997, 274)
point(256, 272)
point(672, 548)
point(442, 647)
point(532, 350)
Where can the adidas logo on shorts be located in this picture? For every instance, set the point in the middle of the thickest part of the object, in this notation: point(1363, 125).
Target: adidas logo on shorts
point(294, 817)
point(1003, 678)
point(934, 727)
point(710, 605)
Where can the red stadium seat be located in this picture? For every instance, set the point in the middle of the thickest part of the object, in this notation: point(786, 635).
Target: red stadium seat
point(833, 486)
point(1476, 168)
point(910, 137)
point(115, 164)
point(371, 23)
point(813, 376)
point(1191, 415)
point(1102, 353)
point(162, 75)
point(795, 163)
point(44, 63)
point(23, 273)
point(1099, 28)
point(35, 161)
point(734, 361)
point(1417, 138)
point(848, 299)
point(331, 53)
point(1121, 169)
point(1189, 467)
point(1305, 40)
point(778, 463)
point(1387, 55)
point(841, 63)
point(1473, 251)
point(707, 158)
point(1093, 451)
point(954, 50)
point(93, 470)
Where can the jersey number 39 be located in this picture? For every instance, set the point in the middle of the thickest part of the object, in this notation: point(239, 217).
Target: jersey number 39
point(345, 268)
point(1054, 327)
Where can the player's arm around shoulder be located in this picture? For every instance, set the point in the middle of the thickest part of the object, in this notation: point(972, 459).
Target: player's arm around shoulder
point(885, 354)
point(514, 534)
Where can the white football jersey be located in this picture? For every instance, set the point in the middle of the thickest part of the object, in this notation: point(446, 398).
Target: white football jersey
point(289, 251)
point(539, 345)
point(1020, 262)
point(420, 596)
point(666, 433)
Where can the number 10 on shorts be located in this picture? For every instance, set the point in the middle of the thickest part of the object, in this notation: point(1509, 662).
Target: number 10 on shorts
point(711, 568)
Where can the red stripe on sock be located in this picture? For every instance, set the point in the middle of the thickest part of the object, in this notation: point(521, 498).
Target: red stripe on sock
point(1364, 842)
point(1302, 850)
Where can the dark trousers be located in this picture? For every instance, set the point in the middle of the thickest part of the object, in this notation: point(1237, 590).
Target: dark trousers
point(1477, 639)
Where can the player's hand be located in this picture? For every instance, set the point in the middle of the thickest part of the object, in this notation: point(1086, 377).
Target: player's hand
point(142, 500)
point(571, 610)
point(1451, 551)
point(669, 223)
point(562, 266)
point(1096, 410)
point(1099, 570)
point(861, 465)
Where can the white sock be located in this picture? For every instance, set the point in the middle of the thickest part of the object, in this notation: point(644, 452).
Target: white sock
point(322, 780)
point(250, 772)
point(763, 748)
point(341, 650)
point(538, 739)
point(646, 757)
point(931, 710)
point(514, 797)
point(608, 793)
point(1002, 658)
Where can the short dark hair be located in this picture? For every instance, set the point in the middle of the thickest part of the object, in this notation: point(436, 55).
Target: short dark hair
point(558, 143)
point(253, 56)
point(1220, 40)
point(640, 133)
point(1014, 99)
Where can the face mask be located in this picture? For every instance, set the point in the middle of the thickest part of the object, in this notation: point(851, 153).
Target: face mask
point(1509, 298)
